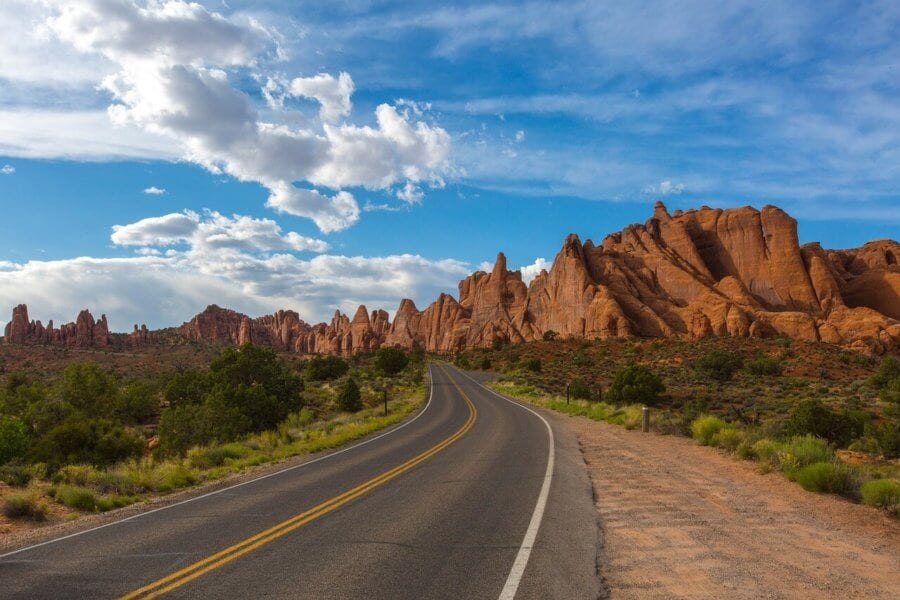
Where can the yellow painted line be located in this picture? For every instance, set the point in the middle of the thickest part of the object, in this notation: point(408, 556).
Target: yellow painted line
point(214, 561)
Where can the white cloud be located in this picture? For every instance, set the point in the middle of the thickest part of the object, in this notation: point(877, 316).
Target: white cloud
point(531, 271)
point(212, 233)
point(410, 193)
point(520, 136)
point(170, 80)
point(7, 170)
point(156, 231)
point(333, 94)
point(166, 290)
point(154, 191)
point(82, 135)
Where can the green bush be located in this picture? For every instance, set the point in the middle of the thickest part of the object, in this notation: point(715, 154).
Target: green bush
point(719, 365)
point(25, 505)
point(767, 451)
point(75, 496)
point(485, 364)
point(391, 361)
point(534, 365)
point(16, 475)
point(13, 439)
point(136, 403)
point(765, 365)
point(635, 384)
point(579, 390)
point(461, 361)
point(89, 389)
point(90, 441)
point(206, 458)
point(829, 477)
point(550, 335)
point(887, 371)
point(882, 493)
point(812, 417)
point(705, 428)
point(349, 398)
point(891, 391)
point(801, 451)
point(730, 438)
point(326, 368)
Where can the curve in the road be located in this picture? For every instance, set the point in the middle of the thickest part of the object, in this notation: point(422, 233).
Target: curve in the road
point(210, 563)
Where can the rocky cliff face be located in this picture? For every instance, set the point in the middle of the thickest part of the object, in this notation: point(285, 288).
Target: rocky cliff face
point(697, 273)
point(85, 332)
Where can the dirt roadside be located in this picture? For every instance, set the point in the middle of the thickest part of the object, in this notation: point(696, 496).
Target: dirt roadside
point(684, 521)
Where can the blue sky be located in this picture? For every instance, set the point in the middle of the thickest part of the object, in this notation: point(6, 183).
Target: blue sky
point(317, 155)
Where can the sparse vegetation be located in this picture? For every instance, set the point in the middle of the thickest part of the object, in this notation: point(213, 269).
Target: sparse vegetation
point(719, 365)
point(86, 432)
point(636, 384)
point(24, 505)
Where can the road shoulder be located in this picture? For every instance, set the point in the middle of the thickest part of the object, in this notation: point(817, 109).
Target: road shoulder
point(683, 521)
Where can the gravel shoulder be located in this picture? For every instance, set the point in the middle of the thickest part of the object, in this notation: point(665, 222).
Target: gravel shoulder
point(684, 521)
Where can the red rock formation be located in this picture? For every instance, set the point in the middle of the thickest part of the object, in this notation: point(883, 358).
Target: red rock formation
point(85, 332)
point(697, 273)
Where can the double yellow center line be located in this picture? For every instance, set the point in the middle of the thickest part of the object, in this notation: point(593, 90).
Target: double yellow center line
point(214, 561)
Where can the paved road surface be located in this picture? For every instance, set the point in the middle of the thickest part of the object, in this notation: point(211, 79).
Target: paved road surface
point(437, 508)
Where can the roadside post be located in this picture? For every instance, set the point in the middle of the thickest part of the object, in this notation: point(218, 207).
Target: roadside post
point(385, 400)
point(567, 393)
point(645, 419)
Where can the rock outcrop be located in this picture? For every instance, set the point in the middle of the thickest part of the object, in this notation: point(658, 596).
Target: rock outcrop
point(84, 332)
point(696, 273)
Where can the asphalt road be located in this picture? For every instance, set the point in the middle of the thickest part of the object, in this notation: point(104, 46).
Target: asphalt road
point(458, 503)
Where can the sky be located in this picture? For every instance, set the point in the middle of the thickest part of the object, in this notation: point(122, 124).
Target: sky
point(157, 156)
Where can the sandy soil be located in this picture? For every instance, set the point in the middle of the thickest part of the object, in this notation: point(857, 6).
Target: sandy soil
point(684, 521)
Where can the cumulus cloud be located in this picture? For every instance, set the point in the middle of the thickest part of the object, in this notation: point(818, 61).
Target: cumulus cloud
point(157, 231)
point(7, 170)
point(172, 79)
point(166, 289)
point(520, 136)
point(332, 93)
point(154, 191)
point(213, 232)
point(531, 271)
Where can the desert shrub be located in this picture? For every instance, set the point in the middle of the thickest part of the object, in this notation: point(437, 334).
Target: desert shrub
point(89, 389)
point(801, 451)
point(136, 403)
point(157, 476)
point(891, 391)
point(705, 428)
point(391, 361)
point(579, 390)
point(767, 451)
point(461, 361)
point(75, 496)
point(187, 386)
point(635, 384)
point(497, 344)
point(550, 335)
point(812, 417)
point(882, 493)
point(215, 456)
point(485, 364)
point(325, 368)
point(13, 439)
point(15, 474)
point(765, 365)
point(830, 477)
point(349, 398)
point(729, 438)
point(719, 365)
point(582, 359)
point(534, 365)
point(24, 505)
point(89, 441)
point(887, 371)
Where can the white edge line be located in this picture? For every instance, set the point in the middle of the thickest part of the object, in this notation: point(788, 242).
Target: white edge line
point(518, 568)
point(237, 485)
